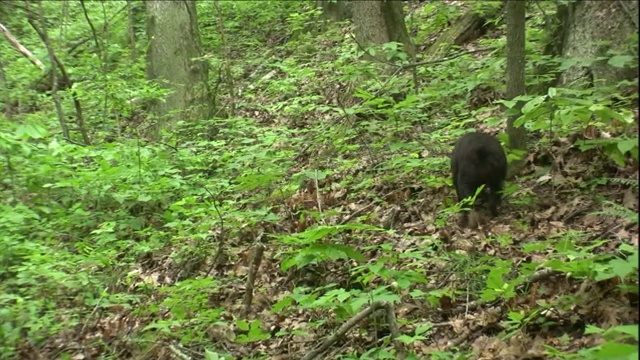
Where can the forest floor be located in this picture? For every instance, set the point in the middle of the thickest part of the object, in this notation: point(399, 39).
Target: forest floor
point(567, 212)
point(550, 214)
point(566, 207)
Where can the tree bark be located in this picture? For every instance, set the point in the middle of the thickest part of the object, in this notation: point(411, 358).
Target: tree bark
point(379, 22)
point(592, 29)
point(172, 29)
point(515, 19)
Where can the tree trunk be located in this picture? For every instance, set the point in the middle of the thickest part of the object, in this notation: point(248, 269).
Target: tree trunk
point(172, 29)
point(379, 22)
point(6, 94)
point(592, 29)
point(515, 19)
point(469, 27)
point(335, 10)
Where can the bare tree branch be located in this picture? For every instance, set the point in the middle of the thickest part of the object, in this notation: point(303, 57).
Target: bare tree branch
point(23, 50)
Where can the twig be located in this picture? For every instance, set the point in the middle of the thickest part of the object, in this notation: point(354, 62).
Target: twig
point(55, 62)
point(226, 62)
point(179, 353)
point(466, 335)
point(356, 213)
point(221, 238)
point(382, 61)
point(93, 29)
point(315, 180)
point(360, 211)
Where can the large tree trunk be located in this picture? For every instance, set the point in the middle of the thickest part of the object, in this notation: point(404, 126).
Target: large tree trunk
point(174, 42)
point(591, 24)
point(515, 19)
point(379, 22)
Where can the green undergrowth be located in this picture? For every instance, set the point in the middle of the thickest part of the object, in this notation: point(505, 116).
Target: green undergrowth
point(134, 224)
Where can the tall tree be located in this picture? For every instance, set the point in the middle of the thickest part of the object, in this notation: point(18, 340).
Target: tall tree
point(172, 28)
point(515, 19)
point(379, 22)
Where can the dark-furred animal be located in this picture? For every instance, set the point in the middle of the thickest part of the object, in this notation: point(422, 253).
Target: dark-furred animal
point(479, 159)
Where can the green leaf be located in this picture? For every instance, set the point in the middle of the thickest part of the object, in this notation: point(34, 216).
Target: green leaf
point(282, 304)
point(613, 350)
point(316, 175)
point(508, 103)
point(627, 329)
point(627, 145)
point(494, 279)
point(242, 325)
point(210, 355)
point(423, 328)
point(620, 61)
point(533, 104)
point(591, 329)
point(623, 268)
point(32, 131)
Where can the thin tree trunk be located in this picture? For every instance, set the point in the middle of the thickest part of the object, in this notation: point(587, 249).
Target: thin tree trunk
point(515, 19)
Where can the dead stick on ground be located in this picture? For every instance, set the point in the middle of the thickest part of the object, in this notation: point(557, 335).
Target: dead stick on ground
point(179, 354)
point(401, 353)
point(465, 336)
point(356, 213)
point(256, 259)
point(356, 319)
point(359, 212)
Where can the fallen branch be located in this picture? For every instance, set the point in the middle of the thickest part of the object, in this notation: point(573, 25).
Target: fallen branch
point(378, 305)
